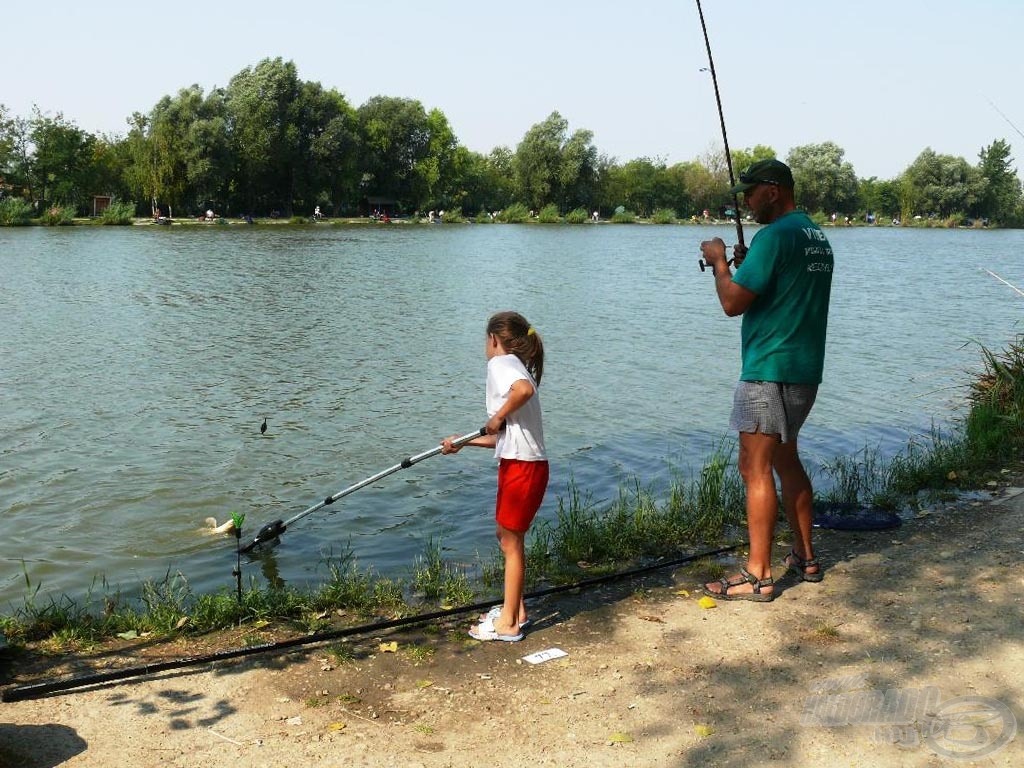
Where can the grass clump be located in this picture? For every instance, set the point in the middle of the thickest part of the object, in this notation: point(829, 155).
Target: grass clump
point(58, 216)
point(994, 426)
point(664, 216)
point(577, 216)
point(15, 212)
point(636, 525)
point(549, 214)
point(437, 580)
point(516, 213)
point(991, 432)
point(623, 217)
point(118, 214)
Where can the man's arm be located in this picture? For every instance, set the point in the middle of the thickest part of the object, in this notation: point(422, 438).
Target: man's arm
point(734, 298)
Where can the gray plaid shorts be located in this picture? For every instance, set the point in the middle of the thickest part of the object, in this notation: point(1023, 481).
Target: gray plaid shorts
point(771, 408)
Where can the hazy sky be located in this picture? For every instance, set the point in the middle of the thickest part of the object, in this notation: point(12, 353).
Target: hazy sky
point(883, 80)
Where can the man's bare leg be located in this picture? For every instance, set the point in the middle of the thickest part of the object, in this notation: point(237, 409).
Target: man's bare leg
point(797, 499)
point(756, 462)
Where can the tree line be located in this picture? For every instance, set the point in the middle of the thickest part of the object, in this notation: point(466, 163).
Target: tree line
point(270, 142)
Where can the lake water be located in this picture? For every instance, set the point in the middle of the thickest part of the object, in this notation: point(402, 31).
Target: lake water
point(137, 364)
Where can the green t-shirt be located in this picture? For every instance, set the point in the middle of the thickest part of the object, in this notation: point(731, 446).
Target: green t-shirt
point(789, 267)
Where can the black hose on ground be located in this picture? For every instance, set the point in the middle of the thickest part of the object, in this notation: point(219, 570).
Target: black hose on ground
point(46, 688)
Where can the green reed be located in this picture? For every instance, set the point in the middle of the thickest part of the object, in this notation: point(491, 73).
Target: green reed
point(587, 537)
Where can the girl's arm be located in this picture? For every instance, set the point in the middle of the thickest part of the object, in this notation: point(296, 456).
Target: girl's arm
point(484, 441)
point(520, 391)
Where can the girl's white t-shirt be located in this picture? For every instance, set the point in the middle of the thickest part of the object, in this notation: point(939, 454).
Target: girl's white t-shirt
point(523, 435)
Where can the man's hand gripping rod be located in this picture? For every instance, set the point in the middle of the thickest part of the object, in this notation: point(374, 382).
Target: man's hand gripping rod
point(725, 140)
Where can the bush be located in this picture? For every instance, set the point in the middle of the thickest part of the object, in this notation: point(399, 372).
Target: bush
point(14, 212)
point(577, 216)
point(483, 217)
point(118, 214)
point(514, 214)
point(58, 216)
point(664, 216)
point(623, 217)
point(549, 214)
point(454, 216)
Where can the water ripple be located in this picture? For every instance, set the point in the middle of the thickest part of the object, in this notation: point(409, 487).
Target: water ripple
point(137, 365)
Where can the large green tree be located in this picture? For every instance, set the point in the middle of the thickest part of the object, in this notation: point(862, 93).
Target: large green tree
point(880, 197)
point(1001, 196)
point(639, 185)
point(15, 154)
point(437, 172)
point(396, 136)
point(61, 167)
point(744, 158)
point(329, 150)
point(7, 141)
point(185, 154)
point(265, 138)
point(824, 181)
point(943, 185)
point(552, 166)
point(578, 171)
point(538, 160)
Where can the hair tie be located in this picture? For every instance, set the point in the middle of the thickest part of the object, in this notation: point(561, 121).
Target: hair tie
point(532, 331)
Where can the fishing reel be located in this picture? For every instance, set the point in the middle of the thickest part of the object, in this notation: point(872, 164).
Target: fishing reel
point(735, 261)
point(704, 265)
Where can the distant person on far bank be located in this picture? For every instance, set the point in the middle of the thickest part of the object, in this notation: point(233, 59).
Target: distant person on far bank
point(782, 288)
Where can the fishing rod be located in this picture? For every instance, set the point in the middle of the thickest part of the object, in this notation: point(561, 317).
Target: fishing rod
point(1006, 282)
point(725, 138)
point(273, 531)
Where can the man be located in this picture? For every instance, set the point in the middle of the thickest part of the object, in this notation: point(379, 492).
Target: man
point(782, 290)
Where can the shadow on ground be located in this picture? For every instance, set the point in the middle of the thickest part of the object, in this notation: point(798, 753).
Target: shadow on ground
point(38, 746)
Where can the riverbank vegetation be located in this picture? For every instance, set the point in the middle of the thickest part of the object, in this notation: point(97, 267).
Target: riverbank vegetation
point(588, 537)
point(271, 144)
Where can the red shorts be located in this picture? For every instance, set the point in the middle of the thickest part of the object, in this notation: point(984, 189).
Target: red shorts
point(521, 486)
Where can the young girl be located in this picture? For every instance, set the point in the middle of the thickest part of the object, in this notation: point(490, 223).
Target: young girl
point(515, 364)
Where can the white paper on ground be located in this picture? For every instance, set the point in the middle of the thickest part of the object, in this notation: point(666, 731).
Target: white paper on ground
point(542, 656)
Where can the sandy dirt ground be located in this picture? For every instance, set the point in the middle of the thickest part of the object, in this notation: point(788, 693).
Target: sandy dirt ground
point(909, 653)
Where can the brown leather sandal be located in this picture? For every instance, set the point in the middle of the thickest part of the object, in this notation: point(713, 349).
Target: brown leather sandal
point(745, 577)
point(799, 566)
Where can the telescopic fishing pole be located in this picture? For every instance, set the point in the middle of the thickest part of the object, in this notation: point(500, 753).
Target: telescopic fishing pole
point(725, 138)
point(272, 531)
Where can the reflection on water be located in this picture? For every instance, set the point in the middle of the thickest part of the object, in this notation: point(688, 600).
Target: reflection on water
point(136, 366)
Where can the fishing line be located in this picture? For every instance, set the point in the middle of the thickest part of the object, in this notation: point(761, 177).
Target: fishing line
point(38, 690)
point(725, 137)
point(997, 109)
